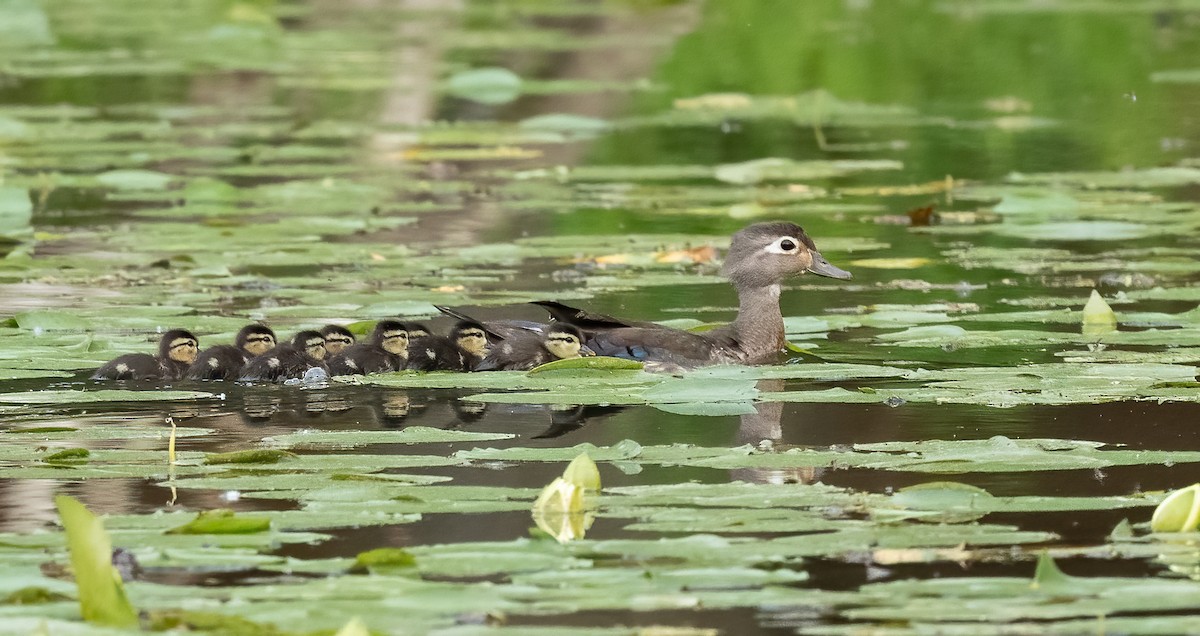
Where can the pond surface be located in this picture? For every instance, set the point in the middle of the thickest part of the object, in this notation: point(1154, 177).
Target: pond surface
point(955, 422)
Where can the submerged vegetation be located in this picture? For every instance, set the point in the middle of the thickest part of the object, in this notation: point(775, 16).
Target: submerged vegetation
point(971, 436)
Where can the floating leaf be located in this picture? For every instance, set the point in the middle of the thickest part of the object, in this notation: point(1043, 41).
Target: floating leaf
point(135, 179)
point(588, 362)
point(16, 209)
point(101, 594)
point(263, 456)
point(485, 85)
point(104, 395)
point(384, 559)
point(223, 521)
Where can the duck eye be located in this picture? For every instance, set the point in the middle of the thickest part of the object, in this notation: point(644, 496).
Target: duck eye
point(787, 245)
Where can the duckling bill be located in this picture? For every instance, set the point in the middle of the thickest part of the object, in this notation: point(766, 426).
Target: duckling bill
point(225, 362)
point(177, 349)
point(386, 351)
point(304, 352)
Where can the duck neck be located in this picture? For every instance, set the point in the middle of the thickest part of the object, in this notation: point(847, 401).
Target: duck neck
point(759, 324)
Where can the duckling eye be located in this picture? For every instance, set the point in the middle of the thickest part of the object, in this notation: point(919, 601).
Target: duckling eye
point(784, 245)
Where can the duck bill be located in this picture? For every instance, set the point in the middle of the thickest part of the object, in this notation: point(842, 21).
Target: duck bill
point(822, 267)
point(586, 351)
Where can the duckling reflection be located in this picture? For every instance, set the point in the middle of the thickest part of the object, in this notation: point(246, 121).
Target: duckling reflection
point(225, 362)
point(260, 406)
point(322, 402)
point(468, 411)
point(177, 349)
point(394, 409)
point(290, 361)
point(337, 339)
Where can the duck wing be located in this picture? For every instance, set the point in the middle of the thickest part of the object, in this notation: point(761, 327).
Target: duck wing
point(657, 344)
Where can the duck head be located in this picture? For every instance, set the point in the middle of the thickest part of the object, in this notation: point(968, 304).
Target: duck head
point(311, 344)
point(392, 337)
point(255, 339)
point(337, 338)
point(179, 345)
point(765, 254)
point(564, 341)
point(417, 330)
point(470, 337)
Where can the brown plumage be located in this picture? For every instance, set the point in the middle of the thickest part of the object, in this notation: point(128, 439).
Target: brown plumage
point(176, 350)
point(760, 258)
point(225, 362)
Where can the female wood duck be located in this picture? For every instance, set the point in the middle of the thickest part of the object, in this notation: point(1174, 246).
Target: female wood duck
point(521, 352)
point(464, 348)
point(337, 339)
point(176, 350)
point(225, 362)
point(305, 351)
point(760, 257)
point(387, 351)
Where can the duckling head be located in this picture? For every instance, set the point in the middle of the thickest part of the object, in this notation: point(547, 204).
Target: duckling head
point(563, 341)
point(764, 254)
point(392, 337)
point(255, 339)
point(179, 345)
point(470, 337)
point(337, 338)
point(417, 330)
point(311, 344)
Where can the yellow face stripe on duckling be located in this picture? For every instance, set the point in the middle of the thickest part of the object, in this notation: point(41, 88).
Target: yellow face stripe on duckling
point(335, 343)
point(315, 348)
point(396, 342)
point(473, 341)
point(183, 350)
point(563, 345)
point(259, 344)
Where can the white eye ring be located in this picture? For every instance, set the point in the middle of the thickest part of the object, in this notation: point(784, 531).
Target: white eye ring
point(784, 245)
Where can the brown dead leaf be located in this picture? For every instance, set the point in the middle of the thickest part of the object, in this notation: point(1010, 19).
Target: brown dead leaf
point(378, 257)
point(702, 254)
point(449, 289)
point(921, 216)
point(715, 101)
point(932, 187)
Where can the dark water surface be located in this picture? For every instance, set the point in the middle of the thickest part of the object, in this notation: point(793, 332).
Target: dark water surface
point(394, 190)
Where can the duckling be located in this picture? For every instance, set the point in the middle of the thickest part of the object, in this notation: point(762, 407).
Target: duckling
point(464, 348)
point(500, 329)
point(524, 352)
point(176, 350)
point(225, 362)
point(387, 351)
point(760, 258)
point(337, 339)
point(304, 352)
